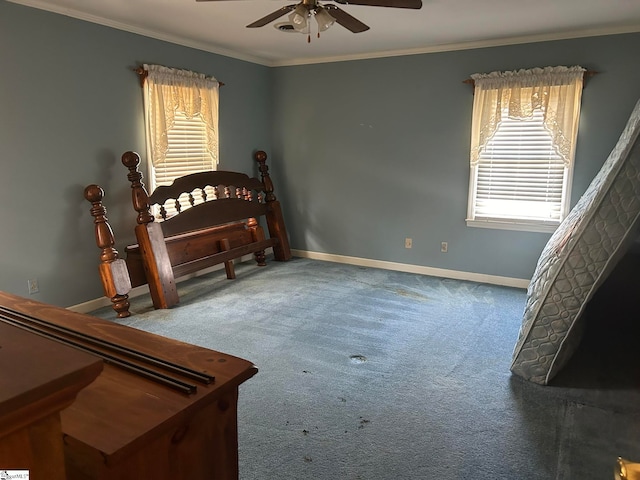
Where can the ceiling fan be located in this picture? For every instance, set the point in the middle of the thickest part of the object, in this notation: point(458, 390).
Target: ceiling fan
point(325, 14)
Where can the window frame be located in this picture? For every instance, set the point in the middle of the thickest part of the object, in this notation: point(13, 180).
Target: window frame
point(549, 96)
point(517, 223)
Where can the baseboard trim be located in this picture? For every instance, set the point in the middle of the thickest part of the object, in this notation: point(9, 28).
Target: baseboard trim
point(97, 303)
point(405, 267)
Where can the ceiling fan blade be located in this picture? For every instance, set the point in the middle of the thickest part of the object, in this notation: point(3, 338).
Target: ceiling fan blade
point(272, 16)
point(415, 4)
point(346, 20)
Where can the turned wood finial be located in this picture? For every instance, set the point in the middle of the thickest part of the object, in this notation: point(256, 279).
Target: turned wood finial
point(261, 158)
point(115, 278)
point(139, 195)
point(104, 234)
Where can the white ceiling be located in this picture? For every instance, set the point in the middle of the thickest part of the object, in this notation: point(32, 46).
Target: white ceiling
point(219, 26)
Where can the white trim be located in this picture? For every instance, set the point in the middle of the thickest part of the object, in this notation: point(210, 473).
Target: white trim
point(97, 303)
point(498, 42)
point(419, 269)
point(512, 225)
point(178, 40)
point(207, 47)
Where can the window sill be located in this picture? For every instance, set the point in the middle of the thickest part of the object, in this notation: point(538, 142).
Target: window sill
point(514, 225)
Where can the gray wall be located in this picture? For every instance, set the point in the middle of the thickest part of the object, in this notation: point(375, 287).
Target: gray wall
point(377, 150)
point(70, 105)
point(363, 153)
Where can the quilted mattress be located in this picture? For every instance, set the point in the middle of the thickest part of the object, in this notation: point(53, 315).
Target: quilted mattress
point(577, 259)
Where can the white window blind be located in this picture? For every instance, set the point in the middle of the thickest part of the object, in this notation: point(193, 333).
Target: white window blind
point(187, 154)
point(187, 151)
point(519, 174)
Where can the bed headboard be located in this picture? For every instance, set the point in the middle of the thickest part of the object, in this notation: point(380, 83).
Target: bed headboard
point(213, 197)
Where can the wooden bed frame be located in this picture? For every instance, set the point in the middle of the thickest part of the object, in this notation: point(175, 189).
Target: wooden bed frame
point(222, 224)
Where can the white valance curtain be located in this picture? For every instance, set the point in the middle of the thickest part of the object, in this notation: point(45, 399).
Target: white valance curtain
point(169, 90)
point(554, 90)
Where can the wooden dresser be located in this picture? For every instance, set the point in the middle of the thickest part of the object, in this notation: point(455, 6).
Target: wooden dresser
point(173, 416)
point(33, 391)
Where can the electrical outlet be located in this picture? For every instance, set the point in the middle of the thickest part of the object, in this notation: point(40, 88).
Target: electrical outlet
point(408, 243)
point(33, 286)
point(444, 247)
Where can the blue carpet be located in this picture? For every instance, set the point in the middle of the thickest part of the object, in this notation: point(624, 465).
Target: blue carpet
point(372, 374)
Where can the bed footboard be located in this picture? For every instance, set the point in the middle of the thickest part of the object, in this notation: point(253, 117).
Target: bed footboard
point(218, 225)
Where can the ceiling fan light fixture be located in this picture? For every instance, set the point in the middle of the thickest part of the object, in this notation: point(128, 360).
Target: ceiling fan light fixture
point(324, 19)
point(298, 18)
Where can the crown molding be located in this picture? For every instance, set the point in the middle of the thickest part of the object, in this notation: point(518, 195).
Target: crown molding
point(178, 40)
point(498, 42)
point(450, 47)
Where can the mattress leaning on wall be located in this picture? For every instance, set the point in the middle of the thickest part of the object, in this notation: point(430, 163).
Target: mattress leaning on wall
point(578, 258)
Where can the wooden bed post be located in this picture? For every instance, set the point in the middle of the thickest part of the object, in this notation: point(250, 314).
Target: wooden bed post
point(157, 265)
point(275, 220)
point(113, 270)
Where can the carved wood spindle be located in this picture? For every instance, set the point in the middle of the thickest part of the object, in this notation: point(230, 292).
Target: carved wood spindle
point(227, 192)
point(113, 272)
point(139, 195)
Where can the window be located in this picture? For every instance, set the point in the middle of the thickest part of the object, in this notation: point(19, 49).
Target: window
point(522, 147)
point(181, 116)
point(186, 152)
